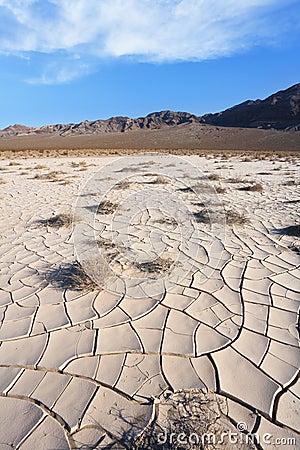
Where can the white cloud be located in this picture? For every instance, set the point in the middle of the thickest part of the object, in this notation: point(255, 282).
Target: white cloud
point(148, 30)
point(58, 73)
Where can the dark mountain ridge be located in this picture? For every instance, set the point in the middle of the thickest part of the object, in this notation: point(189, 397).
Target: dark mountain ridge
point(279, 111)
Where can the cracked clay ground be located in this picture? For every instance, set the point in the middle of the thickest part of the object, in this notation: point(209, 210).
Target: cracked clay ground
point(85, 366)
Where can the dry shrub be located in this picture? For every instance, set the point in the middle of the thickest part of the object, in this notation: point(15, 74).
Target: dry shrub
point(122, 185)
point(256, 187)
point(70, 276)
point(167, 221)
point(58, 221)
point(106, 207)
point(54, 176)
point(78, 164)
point(214, 177)
point(234, 180)
point(235, 217)
point(188, 420)
point(159, 265)
point(105, 243)
point(220, 190)
point(40, 166)
point(160, 179)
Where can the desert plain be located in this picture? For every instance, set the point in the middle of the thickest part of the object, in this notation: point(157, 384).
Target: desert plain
point(144, 295)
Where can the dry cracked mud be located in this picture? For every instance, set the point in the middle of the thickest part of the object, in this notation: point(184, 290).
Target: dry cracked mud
point(85, 366)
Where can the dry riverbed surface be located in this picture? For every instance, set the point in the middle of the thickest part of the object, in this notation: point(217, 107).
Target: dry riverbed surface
point(157, 293)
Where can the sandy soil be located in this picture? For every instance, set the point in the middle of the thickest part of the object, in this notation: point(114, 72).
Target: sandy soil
point(126, 282)
point(187, 137)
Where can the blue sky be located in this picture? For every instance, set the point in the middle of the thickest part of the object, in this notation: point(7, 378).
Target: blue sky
point(69, 60)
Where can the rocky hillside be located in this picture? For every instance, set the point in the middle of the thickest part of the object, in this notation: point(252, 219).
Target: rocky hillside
point(156, 120)
point(280, 111)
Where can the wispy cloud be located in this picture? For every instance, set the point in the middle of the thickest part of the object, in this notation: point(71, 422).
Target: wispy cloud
point(58, 73)
point(146, 30)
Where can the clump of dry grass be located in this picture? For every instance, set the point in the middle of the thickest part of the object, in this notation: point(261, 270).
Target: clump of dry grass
point(58, 221)
point(70, 276)
point(110, 249)
point(2, 181)
point(235, 217)
point(195, 187)
point(167, 221)
point(105, 243)
point(256, 187)
point(106, 207)
point(220, 190)
point(231, 217)
point(160, 179)
point(78, 164)
point(40, 166)
point(190, 419)
point(53, 176)
point(124, 184)
point(129, 169)
point(214, 177)
point(159, 265)
point(234, 180)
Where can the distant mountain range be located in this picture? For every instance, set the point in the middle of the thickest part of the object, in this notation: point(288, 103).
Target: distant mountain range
point(280, 111)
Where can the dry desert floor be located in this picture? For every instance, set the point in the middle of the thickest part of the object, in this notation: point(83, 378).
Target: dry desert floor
point(146, 295)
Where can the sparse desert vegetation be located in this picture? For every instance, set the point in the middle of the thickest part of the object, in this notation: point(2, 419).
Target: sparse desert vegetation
point(229, 216)
point(58, 221)
point(70, 276)
point(234, 180)
point(235, 217)
point(106, 207)
point(220, 190)
point(159, 179)
point(40, 167)
point(214, 177)
point(254, 187)
point(158, 266)
point(53, 176)
point(98, 323)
